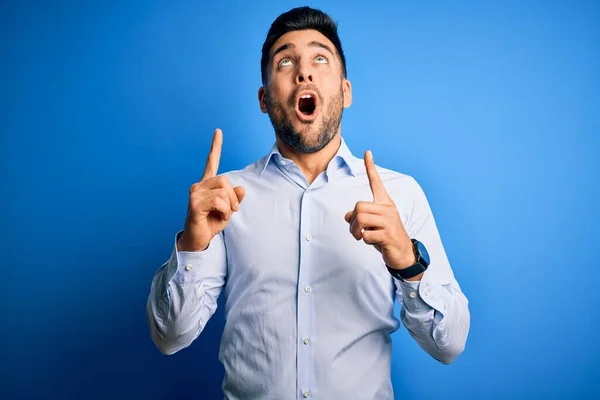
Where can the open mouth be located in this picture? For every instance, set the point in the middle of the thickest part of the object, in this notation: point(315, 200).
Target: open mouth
point(306, 104)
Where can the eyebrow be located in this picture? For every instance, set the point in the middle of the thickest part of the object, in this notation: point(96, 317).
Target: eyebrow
point(314, 43)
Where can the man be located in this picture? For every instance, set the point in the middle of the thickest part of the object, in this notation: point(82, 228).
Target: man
point(310, 245)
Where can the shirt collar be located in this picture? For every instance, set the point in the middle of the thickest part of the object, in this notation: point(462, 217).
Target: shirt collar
point(343, 156)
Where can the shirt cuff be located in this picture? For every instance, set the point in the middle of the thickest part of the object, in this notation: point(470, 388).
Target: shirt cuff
point(186, 266)
point(423, 295)
point(411, 299)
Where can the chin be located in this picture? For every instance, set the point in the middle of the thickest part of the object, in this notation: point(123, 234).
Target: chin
point(309, 133)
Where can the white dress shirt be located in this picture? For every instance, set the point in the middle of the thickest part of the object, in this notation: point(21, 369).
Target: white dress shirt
point(308, 308)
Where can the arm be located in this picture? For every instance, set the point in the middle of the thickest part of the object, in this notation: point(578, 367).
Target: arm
point(434, 309)
point(183, 295)
point(184, 291)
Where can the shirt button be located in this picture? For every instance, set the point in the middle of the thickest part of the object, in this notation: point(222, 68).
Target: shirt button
point(412, 295)
point(282, 162)
point(307, 289)
point(306, 393)
point(306, 341)
point(308, 237)
point(188, 267)
point(427, 291)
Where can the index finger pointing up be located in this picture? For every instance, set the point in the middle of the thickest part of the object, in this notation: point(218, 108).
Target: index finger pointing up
point(212, 162)
point(377, 188)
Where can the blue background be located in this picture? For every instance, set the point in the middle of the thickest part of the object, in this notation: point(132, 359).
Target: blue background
point(107, 113)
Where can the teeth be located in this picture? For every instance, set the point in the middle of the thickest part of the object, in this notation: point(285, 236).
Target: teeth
point(306, 96)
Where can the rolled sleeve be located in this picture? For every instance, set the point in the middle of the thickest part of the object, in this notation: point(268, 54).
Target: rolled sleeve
point(434, 309)
point(192, 267)
point(423, 295)
point(183, 295)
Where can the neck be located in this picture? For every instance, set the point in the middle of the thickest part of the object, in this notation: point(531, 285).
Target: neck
point(312, 164)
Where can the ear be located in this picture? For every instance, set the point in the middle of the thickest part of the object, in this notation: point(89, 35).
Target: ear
point(262, 99)
point(347, 88)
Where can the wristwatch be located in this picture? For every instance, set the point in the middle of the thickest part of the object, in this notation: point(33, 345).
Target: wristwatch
point(419, 266)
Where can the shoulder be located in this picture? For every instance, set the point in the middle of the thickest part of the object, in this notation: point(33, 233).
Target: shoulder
point(397, 183)
point(248, 173)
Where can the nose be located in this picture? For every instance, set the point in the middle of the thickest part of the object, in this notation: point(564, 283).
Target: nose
point(304, 77)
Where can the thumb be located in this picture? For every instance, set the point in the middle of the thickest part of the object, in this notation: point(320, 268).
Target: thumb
point(348, 216)
point(240, 192)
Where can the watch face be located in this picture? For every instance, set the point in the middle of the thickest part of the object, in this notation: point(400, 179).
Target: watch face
point(424, 254)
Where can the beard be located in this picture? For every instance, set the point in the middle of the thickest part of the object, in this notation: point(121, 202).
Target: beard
point(312, 137)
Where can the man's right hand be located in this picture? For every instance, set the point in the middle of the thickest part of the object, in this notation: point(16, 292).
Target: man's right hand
point(212, 202)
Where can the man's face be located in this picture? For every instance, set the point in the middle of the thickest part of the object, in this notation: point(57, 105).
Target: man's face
point(305, 90)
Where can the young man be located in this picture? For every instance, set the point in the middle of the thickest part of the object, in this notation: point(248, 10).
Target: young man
point(314, 245)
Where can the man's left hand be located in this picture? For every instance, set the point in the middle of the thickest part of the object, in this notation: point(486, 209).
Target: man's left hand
point(378, 223)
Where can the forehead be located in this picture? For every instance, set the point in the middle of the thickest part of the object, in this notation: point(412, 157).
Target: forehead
point(301, 40)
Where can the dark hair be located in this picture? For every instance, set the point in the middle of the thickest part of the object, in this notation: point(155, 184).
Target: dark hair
point(297, 19)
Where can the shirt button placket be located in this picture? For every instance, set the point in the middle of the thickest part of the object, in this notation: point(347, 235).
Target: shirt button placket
point(305, 299)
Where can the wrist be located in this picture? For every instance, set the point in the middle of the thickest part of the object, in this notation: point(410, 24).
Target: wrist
point(184, 243)
point(409, 260)
point(415, 271)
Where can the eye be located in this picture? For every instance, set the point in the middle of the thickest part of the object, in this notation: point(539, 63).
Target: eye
point(321, 59)
point(284, 62)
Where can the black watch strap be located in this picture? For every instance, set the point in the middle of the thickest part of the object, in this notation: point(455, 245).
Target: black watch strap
point(412, 271)
point(407, 273)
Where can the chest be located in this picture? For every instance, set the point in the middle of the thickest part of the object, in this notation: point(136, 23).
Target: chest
point(283, 240)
